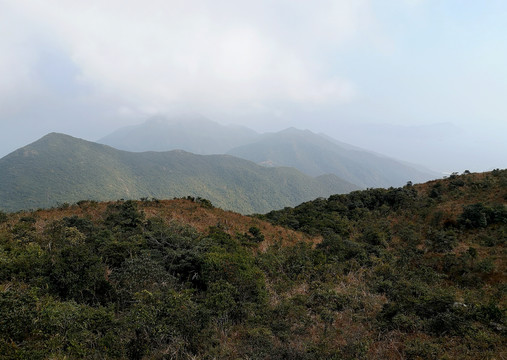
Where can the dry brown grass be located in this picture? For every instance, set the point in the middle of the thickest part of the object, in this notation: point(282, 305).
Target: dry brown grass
point(180, 210)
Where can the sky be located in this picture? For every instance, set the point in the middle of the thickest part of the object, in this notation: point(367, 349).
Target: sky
point(424, 81)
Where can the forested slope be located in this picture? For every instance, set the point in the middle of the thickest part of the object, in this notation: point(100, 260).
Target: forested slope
point(62, 169)
point(416, 272)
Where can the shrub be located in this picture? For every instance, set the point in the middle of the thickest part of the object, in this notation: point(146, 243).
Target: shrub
point(256, 233)
point(3, 217)
point(441, 241)
point(124, 216)
point(421, 349)
point(473, 216)
point(77, 273)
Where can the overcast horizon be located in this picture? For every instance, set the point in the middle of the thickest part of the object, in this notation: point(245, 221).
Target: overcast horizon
point(418, 80)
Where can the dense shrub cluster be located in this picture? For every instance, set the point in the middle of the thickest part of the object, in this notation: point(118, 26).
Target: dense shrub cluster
point(123, 287)
point(433, 287)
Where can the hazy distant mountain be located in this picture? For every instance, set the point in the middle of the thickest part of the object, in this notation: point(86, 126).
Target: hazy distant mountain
point(59, 168)
point(316, 155)
point(419, 167)
point(310, 153)
point(195, 134)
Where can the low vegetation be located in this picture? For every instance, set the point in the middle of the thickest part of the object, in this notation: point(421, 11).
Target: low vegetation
point(416, 272)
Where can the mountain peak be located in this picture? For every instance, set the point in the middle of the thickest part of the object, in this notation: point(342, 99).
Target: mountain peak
point(59, 168)
point(176, 119)
point(54, 135)
point(295, 131)
point(189, 132)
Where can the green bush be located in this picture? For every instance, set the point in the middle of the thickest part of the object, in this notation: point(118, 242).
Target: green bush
point(441, 241)
point(3, 217)
point(124, 216)
point(77, 273)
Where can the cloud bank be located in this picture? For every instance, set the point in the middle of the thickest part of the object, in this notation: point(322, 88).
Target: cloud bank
point(154, 54)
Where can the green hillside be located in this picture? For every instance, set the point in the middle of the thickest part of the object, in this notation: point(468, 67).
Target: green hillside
point(62, 169)
point(416, 272)
point(317, 155)
point(310, 153)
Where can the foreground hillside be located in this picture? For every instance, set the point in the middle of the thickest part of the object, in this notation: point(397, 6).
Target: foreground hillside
point(61, 169)
point(416, 272)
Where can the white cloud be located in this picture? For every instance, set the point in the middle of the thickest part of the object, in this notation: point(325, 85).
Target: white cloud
point(152, 54)
point(17, 59)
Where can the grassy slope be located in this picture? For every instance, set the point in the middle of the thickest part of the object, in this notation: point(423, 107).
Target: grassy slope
point(184, 211)
point(59, 168)
point(423, 279)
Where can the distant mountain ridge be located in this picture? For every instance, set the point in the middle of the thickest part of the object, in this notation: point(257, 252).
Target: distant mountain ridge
point(313, 154)
point(317, 155)
point(59, 168)
point(191, 133)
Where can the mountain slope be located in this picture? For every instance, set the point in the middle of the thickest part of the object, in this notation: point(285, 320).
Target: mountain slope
point(316, 155)
point(417, 272)
point(190, 133)
point(59, 168)
point(308, 152)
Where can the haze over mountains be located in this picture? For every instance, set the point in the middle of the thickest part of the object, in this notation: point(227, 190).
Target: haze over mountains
point(191, 133)
point(137, 247)
point(258, 173)
point(306, 151)
point(418, 81)
point(59, 168)
point(315, 155)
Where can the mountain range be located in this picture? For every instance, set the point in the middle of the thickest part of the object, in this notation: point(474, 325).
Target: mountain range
point(191, 133)
point(62, 169)
point(234, 167)
point(316, 155)
point(313, 154)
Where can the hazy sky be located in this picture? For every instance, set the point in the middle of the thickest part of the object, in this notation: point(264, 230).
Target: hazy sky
point(421, 80)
